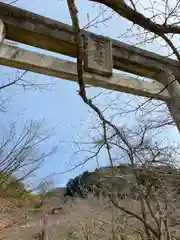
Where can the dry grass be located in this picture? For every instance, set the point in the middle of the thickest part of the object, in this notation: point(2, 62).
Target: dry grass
point(79, 219)
point(83, 219)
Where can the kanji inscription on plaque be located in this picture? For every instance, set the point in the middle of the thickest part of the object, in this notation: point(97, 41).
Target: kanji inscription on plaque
point(98, 56)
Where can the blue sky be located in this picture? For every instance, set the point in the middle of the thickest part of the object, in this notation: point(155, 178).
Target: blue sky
point(61, 106)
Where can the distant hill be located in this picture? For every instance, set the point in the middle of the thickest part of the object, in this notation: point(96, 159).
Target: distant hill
point(10, 187)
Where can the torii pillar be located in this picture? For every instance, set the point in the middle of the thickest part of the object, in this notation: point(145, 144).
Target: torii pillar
point(169, 79)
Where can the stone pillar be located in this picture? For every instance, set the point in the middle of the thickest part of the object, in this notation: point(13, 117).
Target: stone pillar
point(2, 31)
point(168, 79)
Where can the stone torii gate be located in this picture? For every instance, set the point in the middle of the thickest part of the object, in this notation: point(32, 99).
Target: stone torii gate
point(102, 54)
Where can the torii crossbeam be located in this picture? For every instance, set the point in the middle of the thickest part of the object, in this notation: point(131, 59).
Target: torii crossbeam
point(35, 30)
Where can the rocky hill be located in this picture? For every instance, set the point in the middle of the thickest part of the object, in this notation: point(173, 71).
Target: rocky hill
point(123, 180)
point(67, 212)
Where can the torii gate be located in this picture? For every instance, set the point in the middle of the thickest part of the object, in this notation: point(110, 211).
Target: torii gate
point(101, 56)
